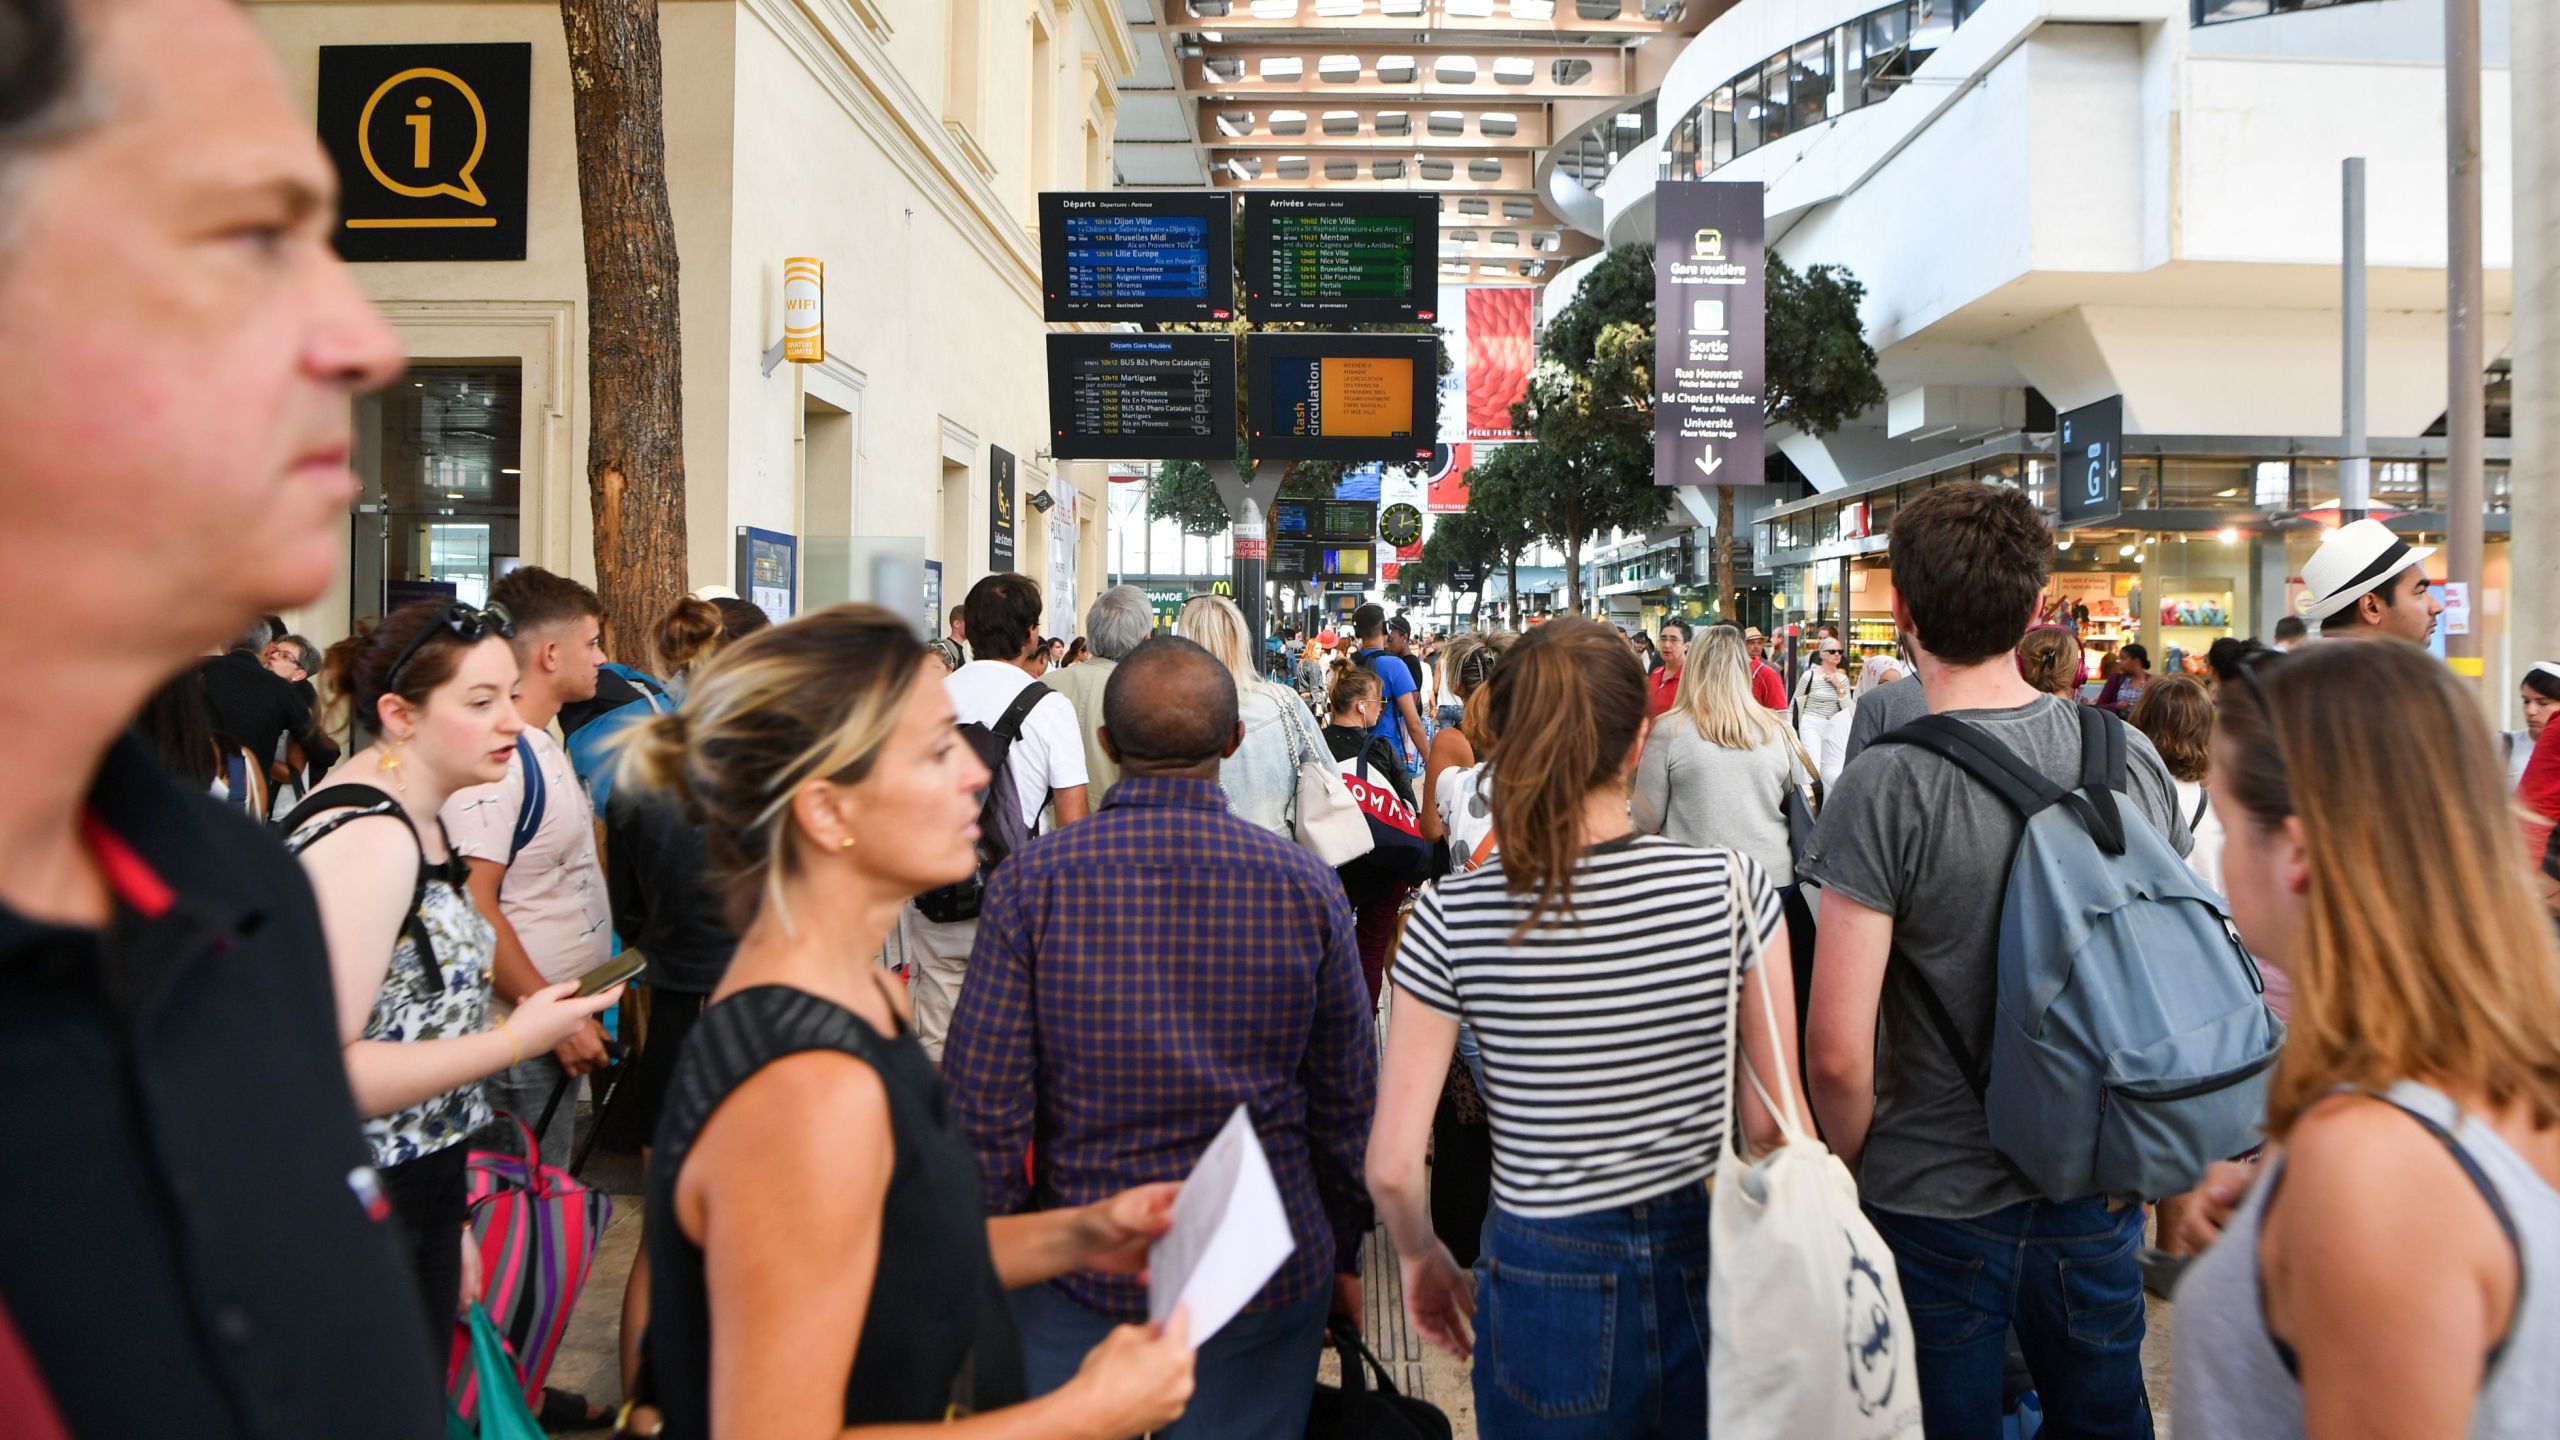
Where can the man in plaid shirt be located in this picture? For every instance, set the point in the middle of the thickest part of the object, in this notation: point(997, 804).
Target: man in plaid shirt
point(1135, 978)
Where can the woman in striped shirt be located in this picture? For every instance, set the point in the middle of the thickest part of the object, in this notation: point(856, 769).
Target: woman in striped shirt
point(1596, 967)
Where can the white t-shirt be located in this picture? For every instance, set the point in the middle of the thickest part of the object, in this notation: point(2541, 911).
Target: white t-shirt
point(554, 892)
point(2206, 858)
point(1049, 755)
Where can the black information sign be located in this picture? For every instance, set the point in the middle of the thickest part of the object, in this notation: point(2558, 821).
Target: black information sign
point(1127, 255)
point(1142, 397)
point(1362, 258)
point(430, 144)
point(1000, 474)
point(2088, 462)
point(1339, 522)
point(1710, 324)
point(1344, 397)
point(1463, 579)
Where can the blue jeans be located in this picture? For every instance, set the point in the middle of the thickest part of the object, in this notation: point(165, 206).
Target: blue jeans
point(1253, 1381)
point(1594, 1327)
point(2065, 1276)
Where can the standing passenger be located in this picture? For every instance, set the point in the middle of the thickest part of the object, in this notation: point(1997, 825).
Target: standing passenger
point(1606, 1117)
point(818, 1254)
point(2396, 1270)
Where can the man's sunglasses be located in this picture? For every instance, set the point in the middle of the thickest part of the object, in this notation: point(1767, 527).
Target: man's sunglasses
point(468, 624)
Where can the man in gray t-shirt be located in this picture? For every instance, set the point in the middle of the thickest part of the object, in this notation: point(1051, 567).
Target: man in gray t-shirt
point(1908, 835)
point(1913, 857)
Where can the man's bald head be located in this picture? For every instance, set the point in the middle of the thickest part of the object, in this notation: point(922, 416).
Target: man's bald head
point(1169, 706)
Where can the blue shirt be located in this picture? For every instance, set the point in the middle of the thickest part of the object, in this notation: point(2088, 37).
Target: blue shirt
point(1139, 974)
point(1398, 682)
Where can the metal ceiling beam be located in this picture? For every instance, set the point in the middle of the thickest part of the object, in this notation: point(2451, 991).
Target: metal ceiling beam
point(1491, 72)
point(1225, 124)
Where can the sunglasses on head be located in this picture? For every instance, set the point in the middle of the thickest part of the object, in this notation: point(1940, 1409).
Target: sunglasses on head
point(468, 624)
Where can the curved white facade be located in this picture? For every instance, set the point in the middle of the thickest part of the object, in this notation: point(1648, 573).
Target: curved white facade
point(2088, 197)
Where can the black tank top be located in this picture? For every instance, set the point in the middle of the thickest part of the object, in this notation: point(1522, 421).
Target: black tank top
point(937, 1340)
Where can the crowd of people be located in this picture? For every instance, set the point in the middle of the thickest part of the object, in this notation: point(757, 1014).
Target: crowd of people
point(960, 952)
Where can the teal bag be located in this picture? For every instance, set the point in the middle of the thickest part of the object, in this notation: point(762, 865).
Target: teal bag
point(503, 1415)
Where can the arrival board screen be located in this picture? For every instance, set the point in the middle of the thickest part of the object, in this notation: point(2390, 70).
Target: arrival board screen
point(1116, 255)
point(1142, 397)
point(1358, 258)
point(1344, 397)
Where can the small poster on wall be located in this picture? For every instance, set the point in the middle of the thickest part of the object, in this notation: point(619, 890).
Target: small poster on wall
point(769, 571)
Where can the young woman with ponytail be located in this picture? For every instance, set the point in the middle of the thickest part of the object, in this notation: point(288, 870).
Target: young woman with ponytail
point(819, 1256)
point(1595, 966)
point(433, 683)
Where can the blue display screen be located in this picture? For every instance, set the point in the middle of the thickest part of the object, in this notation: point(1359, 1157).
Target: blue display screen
point(1137, 257)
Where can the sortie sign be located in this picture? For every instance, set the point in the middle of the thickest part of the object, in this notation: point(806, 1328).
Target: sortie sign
point(1710, 313)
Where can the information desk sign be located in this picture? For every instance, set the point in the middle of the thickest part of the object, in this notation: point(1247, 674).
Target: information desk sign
point(1142, 397)
point(1343, 257)
point(1344, 397)
point(1132, 255)
point(1710, 354)
point(2089, 462)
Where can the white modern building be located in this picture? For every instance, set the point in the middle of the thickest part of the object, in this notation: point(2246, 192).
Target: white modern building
point(2054, 201)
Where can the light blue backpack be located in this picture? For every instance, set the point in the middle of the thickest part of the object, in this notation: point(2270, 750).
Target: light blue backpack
point(2131, 1040)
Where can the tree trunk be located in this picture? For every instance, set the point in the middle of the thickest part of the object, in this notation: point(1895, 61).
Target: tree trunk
point(635, 351)
point(1573, 559)
point(1511, 562)
point(1724, 555)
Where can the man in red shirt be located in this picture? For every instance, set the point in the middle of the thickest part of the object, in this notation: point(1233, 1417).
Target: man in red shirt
point(1663, 687)
point(1767, 686)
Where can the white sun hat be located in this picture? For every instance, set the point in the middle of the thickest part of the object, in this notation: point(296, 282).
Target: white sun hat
point(2354, 561)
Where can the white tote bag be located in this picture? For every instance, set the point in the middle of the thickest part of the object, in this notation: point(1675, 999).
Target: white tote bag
point(1322, 814)
point(1808, 1336)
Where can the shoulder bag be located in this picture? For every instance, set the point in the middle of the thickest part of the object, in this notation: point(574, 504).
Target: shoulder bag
point(1807, 1330)
point(1322, 815)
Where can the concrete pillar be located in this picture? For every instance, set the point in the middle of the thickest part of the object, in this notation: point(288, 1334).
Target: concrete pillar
point(2533, 618)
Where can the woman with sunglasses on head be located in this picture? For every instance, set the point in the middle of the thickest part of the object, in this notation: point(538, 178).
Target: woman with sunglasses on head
point(433, 684)
point(2396, 1270)
point(819, 1255)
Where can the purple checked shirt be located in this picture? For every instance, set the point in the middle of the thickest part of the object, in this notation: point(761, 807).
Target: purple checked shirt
point(1139, 974)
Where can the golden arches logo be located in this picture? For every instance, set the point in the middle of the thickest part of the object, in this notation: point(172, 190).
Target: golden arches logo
point(462, 187)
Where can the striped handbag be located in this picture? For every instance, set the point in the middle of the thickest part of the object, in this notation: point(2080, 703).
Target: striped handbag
point(538, 1230)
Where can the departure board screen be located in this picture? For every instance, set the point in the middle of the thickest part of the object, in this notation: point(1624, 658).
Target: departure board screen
point(1126, 255)
point(1344, 397)
point(1356, 258)
point(1142, 397)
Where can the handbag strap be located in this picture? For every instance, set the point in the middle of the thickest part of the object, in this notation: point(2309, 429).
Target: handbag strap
point(1737, 1062)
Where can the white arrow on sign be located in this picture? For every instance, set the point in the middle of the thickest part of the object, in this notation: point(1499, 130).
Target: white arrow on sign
point(1707, 463)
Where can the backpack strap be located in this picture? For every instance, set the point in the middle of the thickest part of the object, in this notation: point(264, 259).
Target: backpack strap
point(1009, 725)
point(2102, 759)
point(362, 802)
point(2204, 802)
point(2102, 777)
point(537, 796)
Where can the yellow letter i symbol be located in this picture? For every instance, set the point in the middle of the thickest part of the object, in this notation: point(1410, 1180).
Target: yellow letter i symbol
point(422, 128)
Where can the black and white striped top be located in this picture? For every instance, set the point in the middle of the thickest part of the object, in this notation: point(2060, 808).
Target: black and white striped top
point(1603, 1033)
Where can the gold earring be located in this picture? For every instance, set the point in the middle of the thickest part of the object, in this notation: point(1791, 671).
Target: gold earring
point(845, 844)
point(390, 764)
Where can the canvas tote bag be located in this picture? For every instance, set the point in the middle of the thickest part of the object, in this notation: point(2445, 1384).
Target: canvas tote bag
point(1808, 1335)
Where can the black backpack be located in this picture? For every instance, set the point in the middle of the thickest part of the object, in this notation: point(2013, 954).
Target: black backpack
point(1001, 828)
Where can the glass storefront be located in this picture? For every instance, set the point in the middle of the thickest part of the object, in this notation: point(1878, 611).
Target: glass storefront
point(440, 454)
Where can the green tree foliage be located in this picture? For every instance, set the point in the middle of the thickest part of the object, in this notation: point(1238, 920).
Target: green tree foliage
point(1469, 540)
point(1590, 413)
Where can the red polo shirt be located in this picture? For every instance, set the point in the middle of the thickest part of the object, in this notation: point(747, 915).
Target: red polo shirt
point(1767, 686)
point(1661, 688)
